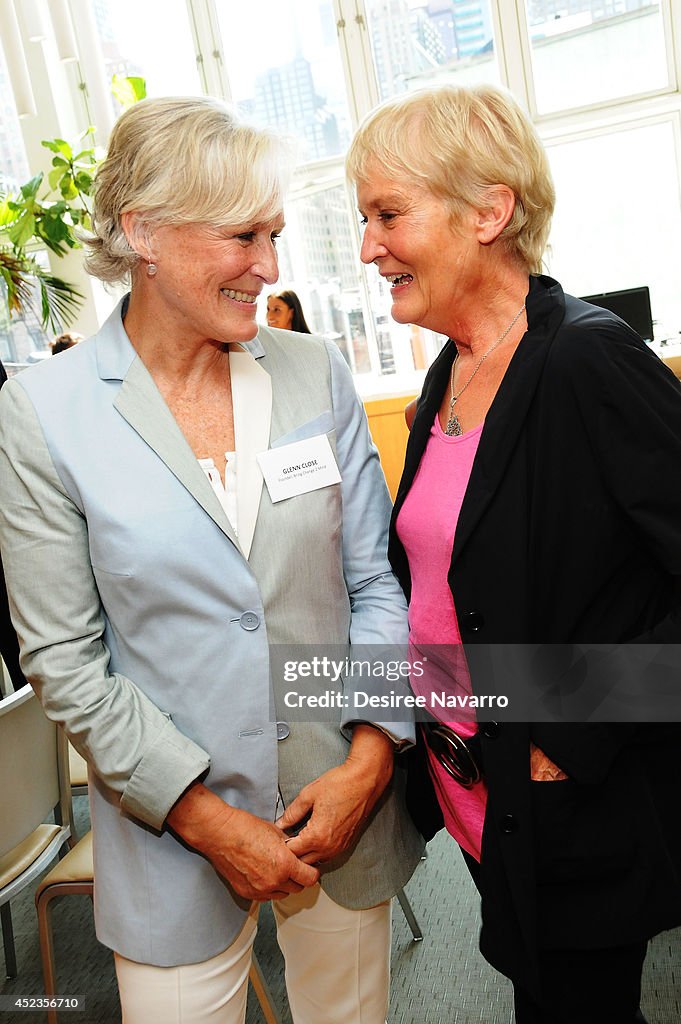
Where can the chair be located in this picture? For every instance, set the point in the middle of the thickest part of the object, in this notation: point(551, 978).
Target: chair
point(410, 916)
point(74, 875)
point(35, 784)
point(77, 772)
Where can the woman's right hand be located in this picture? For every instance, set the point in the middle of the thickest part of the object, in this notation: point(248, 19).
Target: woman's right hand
point(249, 853)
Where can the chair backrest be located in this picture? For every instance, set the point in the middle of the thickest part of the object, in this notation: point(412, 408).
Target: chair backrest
point(33, 768)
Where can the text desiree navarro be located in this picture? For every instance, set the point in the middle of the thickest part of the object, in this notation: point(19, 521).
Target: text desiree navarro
point(361, 699)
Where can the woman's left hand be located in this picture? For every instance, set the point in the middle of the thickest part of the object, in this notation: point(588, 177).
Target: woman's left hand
point(338, 803)
point(542, 768)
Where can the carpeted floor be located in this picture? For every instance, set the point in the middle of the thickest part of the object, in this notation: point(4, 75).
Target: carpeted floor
point(442, 980)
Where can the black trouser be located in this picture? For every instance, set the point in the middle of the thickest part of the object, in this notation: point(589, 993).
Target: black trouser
point(585, 986)
point(582, 986)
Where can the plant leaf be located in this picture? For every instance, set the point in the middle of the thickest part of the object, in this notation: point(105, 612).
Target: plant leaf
point(22, 230)
point(60, 302)
point(7, 214)
point(68, 188)
point(128, 90)
point(58, 146)
point(30, 189)
point(55, 176)
point(14, 275)
point(86, 156)
point(83, 182)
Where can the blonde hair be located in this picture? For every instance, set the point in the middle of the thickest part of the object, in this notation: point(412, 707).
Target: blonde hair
point(459, 143)
point(179, 160)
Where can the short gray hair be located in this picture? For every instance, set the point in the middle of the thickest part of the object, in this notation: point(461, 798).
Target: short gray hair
point(458, 143)
point(179, 160)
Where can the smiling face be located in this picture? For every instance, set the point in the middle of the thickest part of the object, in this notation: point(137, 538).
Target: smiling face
point(279, 313)
point(208, 278)
point(430, 264)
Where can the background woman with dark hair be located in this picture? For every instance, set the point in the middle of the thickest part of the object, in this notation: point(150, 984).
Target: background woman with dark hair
point(285, 311)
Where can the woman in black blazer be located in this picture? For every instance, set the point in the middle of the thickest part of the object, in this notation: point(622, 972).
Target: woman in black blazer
point(565, 530)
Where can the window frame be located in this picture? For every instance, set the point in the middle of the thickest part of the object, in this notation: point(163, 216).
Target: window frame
point(65, 98)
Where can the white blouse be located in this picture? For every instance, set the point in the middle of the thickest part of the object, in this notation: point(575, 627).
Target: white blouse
point(226, 493)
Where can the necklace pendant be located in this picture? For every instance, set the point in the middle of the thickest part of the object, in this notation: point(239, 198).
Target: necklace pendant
point(453, 428)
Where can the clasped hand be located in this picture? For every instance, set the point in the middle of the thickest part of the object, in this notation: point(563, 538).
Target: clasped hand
point(258, 859)
point(249, 853)
point(338, 803)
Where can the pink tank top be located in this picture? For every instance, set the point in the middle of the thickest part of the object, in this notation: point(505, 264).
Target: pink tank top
point(426, 526)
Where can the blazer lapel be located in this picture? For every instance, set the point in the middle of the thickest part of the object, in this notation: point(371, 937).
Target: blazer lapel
point(507, 414)
point(252, 406)
point(140, 403)
point(503, 423)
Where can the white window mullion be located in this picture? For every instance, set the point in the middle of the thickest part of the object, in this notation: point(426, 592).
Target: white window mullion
point(671, 12)
point(367, 310)
point(356, 57)
point(92, 70)
point(513, 43)
point(209, 57)
point(197, 20)
point(363, 95)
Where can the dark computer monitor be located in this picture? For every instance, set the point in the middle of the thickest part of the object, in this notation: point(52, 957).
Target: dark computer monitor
point(631, 304)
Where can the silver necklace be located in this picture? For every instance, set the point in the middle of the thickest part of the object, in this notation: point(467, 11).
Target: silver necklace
point(454, 428)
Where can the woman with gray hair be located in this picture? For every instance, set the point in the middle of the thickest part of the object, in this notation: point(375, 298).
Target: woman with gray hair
point(160, 543)
point(539, 508)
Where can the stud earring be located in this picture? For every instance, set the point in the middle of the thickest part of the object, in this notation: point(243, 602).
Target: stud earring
point(151, 269)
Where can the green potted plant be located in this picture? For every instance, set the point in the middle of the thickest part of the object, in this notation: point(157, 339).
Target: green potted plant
point(37, 217)
point(29, 220)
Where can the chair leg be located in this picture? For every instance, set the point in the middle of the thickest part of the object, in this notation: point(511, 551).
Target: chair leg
point(262, 991)
point(409, 914)
point(8, 941)
point(44, 909)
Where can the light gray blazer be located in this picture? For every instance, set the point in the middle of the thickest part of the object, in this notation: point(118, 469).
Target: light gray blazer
point(128, 589)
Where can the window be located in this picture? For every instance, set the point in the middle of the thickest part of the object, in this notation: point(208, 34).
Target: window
point(318, 259)
point(416, 44)
point(599, 181)
point(600, 77)
point(13, 163)
point(150, 39)
point(285, 72)
point(586, 52)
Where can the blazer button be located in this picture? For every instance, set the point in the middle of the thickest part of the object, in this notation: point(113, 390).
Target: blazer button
point(473, 621)
point(490, 729)
point(508, 824)
point(283, 730)
point(249, 620)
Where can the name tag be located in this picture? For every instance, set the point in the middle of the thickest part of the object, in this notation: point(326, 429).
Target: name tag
point(299, 467)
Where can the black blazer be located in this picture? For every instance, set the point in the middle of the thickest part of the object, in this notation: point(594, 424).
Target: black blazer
point(570, 531)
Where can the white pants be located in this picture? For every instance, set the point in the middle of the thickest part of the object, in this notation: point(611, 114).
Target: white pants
point(337, 970)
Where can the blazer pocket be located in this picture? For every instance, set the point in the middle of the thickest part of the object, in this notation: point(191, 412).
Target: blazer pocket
point(321, 424)
point(581, 833)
